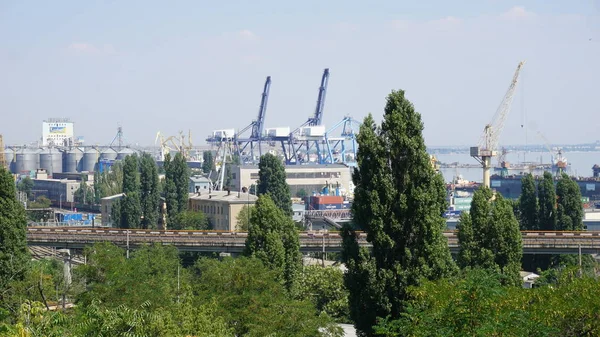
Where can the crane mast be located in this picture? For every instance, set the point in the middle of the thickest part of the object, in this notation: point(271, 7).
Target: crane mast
point(258, 125)
point(488, 142)
point(316, 120)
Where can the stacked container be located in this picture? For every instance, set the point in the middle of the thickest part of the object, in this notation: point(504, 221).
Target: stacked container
point(325, 202)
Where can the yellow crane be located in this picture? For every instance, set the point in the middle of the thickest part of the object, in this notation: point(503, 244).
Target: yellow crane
point(488, 142)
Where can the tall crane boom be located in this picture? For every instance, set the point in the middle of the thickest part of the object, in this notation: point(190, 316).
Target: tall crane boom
point(488, 142)
point(491, 133)
point(258, 125)
point(318, 117)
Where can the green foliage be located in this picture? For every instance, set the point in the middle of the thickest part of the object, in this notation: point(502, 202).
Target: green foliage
point(176, 185)
point(399, 202)
point(253, 303)
point(25, 186)
point(273, 239)
point(190, 220)
point(301, 193)
point(489, 237)
point(547, 203)
point(149, 190)
point(208, 163)
point(150, 275)
point(243, 218)
point(40, 202)
point(324, 286)
point(475, 304)
point(570, 209)
point(13, 241)
point(528, 204)
point(130, 205)
point(272, 181)
point(84, 194)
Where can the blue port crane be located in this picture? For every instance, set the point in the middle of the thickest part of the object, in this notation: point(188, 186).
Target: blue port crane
point(253, 142)
point(299, 145)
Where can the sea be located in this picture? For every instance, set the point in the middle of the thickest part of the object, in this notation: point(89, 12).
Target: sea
point(580, 163)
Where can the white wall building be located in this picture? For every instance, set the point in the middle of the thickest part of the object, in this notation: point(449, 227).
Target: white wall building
point(57, 131)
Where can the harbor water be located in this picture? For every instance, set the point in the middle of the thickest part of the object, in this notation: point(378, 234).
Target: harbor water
point(580, 163)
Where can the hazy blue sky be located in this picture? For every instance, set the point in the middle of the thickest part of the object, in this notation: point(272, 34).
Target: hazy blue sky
point(201, 65)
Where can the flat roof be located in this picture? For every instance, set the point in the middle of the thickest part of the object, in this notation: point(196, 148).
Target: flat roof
point(224, 196)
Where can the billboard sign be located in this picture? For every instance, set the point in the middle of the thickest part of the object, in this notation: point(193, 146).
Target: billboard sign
point(58, 129)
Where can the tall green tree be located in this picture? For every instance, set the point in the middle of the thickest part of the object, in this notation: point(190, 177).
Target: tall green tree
point(528, 204)
point(273, 238)
point(131, 209)
point(570, 208)
point(399, 202)
point(149, 191)
point(13, 241)
point(25, 186)
point(177, 175)
point(208, 163)
point(489, 236)
point(272, 181)
point(547, 203)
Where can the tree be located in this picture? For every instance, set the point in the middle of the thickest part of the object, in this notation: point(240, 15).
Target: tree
point(208, 163)
point(570, 209)
point(399, 202)
point(13, 240)
point(325, 287)
point(149, 191)
point(130, 205)
point(25, 186)
point(528, 204)
point(243, 218)
point(489, 236)
point(272, 238)
point(547, 203)
point(176, 185)
point(85, 193)
point(301, 193)
point(272, 181)
point(190, 220)
point(254, 303)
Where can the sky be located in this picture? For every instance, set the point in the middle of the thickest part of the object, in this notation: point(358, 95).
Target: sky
point(151, 66)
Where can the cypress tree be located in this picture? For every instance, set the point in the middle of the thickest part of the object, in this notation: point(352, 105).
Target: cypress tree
point(13, 236)
point(273, 238)
point(528, 204)
point(570, 209)
point(547, 203)
point(131, 209)
point(181, 178)
point(399, 202)
point(272, 181)
point(150, 197)
point(489, 236)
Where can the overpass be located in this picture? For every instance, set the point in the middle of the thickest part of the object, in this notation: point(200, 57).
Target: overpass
point(534, 242)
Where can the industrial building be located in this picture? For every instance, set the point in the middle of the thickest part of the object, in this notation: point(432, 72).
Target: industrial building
point(199, 184)
point(307, 178)
point(57, 132)
point(106, 204)
point(60, 191)
point(221, 207)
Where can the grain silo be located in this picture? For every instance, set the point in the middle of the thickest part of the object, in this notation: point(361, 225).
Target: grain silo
point(27, 160)
point(72, 160)
point(90, 159)
point(124, 153)
point(51, 161)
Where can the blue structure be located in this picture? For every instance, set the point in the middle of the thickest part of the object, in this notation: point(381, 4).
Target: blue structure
point(256, 135)
point(298, 145)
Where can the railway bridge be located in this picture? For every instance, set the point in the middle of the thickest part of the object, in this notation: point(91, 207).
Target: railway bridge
point(534, 242)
